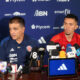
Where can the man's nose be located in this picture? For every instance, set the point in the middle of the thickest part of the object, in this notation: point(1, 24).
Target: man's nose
point(67, 26)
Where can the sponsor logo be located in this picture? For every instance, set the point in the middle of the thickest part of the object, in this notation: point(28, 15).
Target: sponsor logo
point(41, 13)
point(63, 47)
point(12, 49)
point(41, 0)
point(13, 55)
point(63, 0)
point(66, 11)
point(39, 27)
point(13, 60)
point(29, 48)
point(15, 1)
point(62, 27)
point(41, 40)
point(15, 14)
point(56, 27)
point(62, 67)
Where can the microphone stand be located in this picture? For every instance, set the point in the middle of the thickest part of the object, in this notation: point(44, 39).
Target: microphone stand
point(19, 75)
point(41, 62)
point(41, 53)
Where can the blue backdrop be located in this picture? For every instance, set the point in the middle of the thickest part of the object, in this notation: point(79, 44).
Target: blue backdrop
point(44, 18)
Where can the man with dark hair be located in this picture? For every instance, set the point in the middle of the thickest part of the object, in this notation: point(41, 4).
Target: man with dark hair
point(17, 19)
point(17, 48)
point(68, 36)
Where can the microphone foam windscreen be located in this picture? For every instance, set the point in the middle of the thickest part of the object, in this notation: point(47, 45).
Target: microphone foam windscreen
point(62, 54)
point(76, 46)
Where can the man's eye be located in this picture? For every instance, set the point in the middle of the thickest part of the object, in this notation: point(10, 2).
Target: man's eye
point(65, 23)
point(15, 28)
point(70, 24)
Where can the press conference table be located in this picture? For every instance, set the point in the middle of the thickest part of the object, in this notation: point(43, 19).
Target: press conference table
point(38, 76)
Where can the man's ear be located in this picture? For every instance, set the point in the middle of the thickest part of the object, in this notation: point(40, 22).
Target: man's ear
point(23, 29)
point(76, 27)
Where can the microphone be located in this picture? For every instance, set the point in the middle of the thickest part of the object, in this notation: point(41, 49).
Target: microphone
point(54, 54)
point(41, 51)
point(20, 71)
point(71, 51)
point(14, 68)
point(3, 67)
point(68, 49)
point(78, 52)
point(71, 55)
point(34, 53)
point(20, 68)
point(62, 54)
point(41, 55)
point(76, 46)
point(53, 49)
point(34, 62)
point(9, 68)
point(51, 46)
point(58, 46)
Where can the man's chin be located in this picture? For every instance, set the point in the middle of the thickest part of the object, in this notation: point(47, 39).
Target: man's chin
point(67, 33)
point(13, 38)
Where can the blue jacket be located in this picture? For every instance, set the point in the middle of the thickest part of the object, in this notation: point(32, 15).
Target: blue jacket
point(16, 53)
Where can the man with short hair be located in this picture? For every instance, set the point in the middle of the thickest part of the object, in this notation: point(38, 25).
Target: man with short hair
point(68, 36)
point(17, 48)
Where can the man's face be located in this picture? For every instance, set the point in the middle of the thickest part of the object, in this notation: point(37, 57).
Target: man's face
point(16, 30)
point(70, 25)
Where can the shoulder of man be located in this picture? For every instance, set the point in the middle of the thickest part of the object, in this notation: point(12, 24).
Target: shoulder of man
point(31, 41)
point(5, 41)
point(78, 35)
point(57, 37)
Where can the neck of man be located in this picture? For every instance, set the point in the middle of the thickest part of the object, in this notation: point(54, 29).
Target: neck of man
point(19, 41)
point(69, 37)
